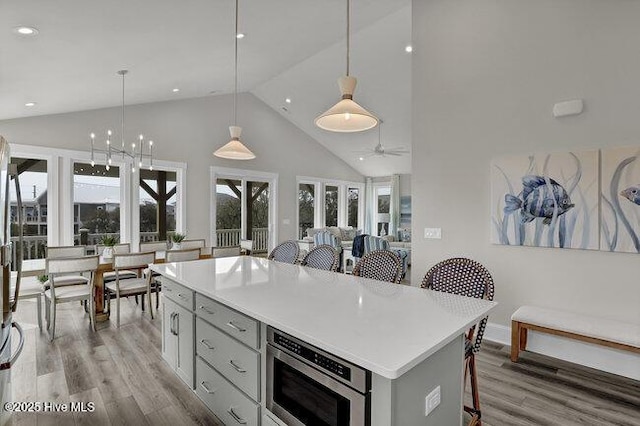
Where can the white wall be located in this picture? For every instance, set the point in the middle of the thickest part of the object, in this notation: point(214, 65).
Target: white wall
point(486, 74)
point(189, 131)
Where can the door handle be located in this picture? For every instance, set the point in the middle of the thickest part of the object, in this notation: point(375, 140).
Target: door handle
point(235, 327)
point(171, 322)
point(177, 327)
point(206, 344)
point(204, 386)
point(237, 367)
point(206, 309)
point(236, 417)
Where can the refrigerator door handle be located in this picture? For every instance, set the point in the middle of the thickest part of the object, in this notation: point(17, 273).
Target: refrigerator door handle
point(13, 171)
point(15, 356)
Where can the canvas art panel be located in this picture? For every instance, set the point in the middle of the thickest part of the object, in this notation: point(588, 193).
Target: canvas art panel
point(546, 200)
point(620, 196)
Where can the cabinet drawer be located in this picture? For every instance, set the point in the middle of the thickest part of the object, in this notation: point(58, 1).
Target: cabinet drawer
point(233, 323)
point(228, 403)
point(235, 361)
point(178, 293)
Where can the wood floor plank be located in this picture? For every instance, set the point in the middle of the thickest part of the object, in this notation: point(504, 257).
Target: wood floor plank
point(134, 369)
point(52, 388)
point(98, 416)
point(169, 416)
point(125, 411)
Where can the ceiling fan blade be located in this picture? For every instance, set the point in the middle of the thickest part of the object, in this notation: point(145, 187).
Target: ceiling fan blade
point(397, 149)
point(392, 153)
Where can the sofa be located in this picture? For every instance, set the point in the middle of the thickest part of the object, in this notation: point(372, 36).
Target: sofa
point(346, 236)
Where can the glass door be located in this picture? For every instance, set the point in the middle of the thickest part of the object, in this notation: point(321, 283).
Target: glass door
point(257, 214)
point(244, 210)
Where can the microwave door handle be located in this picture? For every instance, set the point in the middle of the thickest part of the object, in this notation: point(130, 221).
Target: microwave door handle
point(15, 356)
point(19, 254)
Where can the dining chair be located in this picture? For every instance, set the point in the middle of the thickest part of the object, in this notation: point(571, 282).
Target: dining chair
point(64, 252)
point(324, 257)
point(182, 255)
point(55, 294)
point(468, 278)
point(156, 246)
point(381, 265)
point(122, 248)
point(189, 244)
point(173, 256)
point(226, 251)
point(30, 288)
point(328, 238)
point(286, 252)
point(131, 286)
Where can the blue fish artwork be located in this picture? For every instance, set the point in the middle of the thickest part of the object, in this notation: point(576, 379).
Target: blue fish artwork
point(539, 198)
point(632, 194)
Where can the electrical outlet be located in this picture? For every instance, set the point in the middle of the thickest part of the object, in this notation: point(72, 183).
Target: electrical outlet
point(433, 233)
point(431, 401)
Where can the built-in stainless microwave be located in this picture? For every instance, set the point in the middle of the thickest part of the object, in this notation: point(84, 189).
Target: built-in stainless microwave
point(308, 386)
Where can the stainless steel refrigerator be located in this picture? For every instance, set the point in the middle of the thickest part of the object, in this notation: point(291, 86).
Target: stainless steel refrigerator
point(9, 348)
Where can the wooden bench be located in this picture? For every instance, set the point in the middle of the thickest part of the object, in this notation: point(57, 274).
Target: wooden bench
point(586, 328)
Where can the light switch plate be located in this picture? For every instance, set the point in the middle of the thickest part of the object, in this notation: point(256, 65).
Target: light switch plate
point(433, 233)
point(431, 401)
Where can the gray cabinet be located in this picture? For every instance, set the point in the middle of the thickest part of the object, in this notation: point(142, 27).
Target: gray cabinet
point(177, 339)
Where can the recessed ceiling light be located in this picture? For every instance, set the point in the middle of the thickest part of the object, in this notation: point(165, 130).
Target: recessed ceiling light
point(240, 35)
point(30, 104)
point(361, 158)
point(175, 90)
point(25, 30)
point(288, 100)
point(408, 49)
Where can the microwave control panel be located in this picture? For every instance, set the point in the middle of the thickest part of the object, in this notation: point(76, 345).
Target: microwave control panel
point(313, 356)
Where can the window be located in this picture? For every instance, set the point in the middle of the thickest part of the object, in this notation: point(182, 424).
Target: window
point(158, 198)
point(383, 201)
point(32, 175)
point(353, 203)
point(96, 203)
point(331, 205)
point(306, 208)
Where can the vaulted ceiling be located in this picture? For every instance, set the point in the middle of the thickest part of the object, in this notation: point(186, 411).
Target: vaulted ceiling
point(292, 49)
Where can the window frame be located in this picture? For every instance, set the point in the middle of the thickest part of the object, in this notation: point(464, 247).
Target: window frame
point(320, 185)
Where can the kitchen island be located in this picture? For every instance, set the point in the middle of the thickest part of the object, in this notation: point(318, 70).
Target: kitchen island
point(217, 314)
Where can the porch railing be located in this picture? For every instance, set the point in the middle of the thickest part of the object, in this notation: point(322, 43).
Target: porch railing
point(231, 237)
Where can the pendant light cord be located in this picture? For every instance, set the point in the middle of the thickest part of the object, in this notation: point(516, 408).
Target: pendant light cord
point(235, 84)
point(122, 127)
point(348, 32)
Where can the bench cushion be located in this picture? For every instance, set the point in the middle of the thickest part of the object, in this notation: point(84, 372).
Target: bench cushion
point(584, 325)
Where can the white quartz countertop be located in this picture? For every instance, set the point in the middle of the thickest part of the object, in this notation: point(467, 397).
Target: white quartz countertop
point(385, 328)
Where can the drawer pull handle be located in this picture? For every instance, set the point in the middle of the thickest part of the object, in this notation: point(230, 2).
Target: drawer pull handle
point(206, 344)
point(235, 327)
point(236, 367)
point(181, 296)
point(204, 386)
point(206, 309)
point(167, 288)
point(236, 417)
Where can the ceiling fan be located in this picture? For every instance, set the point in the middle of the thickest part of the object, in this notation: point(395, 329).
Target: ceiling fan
point(381, 150)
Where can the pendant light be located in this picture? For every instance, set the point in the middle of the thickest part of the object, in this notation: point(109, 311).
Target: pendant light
point(235, 149)
point(347, 116)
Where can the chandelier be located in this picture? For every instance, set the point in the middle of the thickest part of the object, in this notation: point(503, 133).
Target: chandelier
point(136, 152)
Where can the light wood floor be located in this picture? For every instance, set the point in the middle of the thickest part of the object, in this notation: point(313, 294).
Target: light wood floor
point(122, 372)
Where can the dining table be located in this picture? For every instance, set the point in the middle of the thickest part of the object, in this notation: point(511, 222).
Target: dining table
point(35, 267)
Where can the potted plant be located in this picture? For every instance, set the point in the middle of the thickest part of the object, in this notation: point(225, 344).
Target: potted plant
point(108, 242)
point(43, 278)
point(176, 240)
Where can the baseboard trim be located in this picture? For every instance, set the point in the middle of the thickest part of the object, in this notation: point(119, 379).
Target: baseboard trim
point(599, 357)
